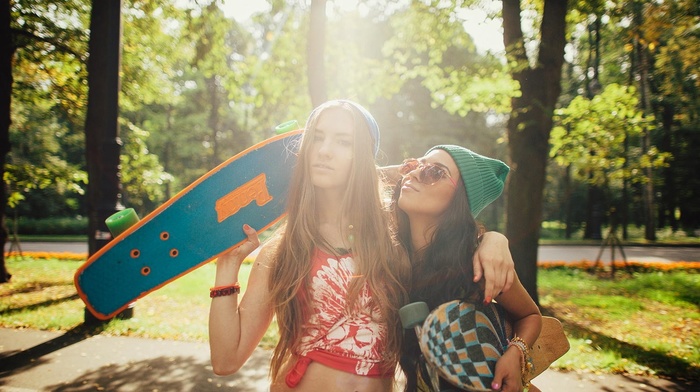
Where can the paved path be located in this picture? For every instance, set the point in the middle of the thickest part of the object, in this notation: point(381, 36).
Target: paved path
point(545, 253)
point(633, 253)
point(33, 360)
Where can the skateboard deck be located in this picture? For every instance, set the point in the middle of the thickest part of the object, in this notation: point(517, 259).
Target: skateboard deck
point(198, 224)
point(462, 342)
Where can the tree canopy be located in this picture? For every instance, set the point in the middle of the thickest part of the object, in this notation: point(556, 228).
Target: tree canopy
point(198, 86)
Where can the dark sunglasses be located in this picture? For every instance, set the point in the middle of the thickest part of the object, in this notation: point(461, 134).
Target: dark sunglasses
point(428, 174)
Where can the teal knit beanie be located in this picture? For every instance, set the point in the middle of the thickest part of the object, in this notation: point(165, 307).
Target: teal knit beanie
point(483, 177)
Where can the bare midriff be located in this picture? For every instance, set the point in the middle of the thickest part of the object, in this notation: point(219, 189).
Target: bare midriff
point(319, 377)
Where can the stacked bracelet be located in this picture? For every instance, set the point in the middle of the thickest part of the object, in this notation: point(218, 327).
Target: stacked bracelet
point(526, 365)
point(222, 291)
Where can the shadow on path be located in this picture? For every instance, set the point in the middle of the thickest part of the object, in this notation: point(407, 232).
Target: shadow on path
point(167, 373)
point(12, 361)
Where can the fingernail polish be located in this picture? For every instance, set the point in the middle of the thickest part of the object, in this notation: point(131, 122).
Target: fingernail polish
point(495, 386)
point(487, 300)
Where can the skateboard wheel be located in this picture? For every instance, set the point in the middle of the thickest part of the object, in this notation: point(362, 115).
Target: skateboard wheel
point(286, 127)
point(413, 314)
point(118, 222)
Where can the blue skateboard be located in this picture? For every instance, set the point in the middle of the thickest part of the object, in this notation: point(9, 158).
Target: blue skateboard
point(198, 224)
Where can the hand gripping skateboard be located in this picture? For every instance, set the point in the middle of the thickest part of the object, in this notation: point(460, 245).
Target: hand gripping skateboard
point(461, 342)
point(198, 224)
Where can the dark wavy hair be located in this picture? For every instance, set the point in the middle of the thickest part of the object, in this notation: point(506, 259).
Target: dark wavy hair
point(442, 271)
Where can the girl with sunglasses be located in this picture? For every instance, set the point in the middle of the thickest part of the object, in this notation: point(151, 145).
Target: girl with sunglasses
point(333, 277)
point(435, 205)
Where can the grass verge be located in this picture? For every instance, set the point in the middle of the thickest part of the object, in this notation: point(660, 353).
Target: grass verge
point(643, 323)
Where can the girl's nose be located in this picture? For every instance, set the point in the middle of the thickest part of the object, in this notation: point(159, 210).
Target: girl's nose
point(325, 148)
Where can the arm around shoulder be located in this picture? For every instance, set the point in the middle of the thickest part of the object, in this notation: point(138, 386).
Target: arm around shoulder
point(494, 263)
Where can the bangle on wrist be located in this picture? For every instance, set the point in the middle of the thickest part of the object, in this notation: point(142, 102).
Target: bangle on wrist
point(526, 365)
point(222, 291)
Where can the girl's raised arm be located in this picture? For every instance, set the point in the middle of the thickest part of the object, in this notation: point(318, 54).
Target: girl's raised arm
point(236, 329)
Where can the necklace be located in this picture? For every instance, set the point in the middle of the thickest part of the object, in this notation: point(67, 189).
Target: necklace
point(350, 239)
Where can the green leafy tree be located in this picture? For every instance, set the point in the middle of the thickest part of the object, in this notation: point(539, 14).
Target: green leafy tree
point(430, 43)
point(44, 72)
point(7, 49)
point(590, 136)
point(669, 29)
point(143, 178)
point(593, 62)
point(151, 97)
point(316, 70)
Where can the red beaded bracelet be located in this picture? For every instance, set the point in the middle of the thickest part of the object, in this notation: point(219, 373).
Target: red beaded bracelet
point(222, 291)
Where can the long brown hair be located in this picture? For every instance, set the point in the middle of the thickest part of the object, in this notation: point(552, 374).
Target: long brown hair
point(380, 261)
point(442, 271)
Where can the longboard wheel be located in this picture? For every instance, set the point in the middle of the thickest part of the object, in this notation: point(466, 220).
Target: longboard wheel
point(413, 314)
point(118, 222)
point(286, 127)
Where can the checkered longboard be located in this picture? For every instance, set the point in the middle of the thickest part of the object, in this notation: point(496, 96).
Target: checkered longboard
point(464, 341)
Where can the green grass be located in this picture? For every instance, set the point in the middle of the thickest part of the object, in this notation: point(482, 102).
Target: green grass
point(41, 295)
point(645, 324)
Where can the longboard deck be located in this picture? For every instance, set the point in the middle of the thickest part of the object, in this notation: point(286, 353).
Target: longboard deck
point(198, 224)
point(463, 341)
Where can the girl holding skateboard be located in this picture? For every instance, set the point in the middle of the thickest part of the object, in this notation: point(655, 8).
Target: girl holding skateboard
point(334, 276)
point(435, 205)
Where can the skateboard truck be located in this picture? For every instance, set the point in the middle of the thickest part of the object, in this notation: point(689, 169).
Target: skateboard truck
point(118, 223)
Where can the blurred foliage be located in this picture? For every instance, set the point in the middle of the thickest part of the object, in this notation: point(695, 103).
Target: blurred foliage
point(198, 87)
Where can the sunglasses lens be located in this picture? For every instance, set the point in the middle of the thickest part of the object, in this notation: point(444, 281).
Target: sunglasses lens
point(408, 166)
point(428, 174)
point(431, 174)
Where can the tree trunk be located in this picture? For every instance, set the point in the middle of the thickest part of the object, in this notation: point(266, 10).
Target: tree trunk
point(8, 51)
point(596, 205)
point(594, 213)
point(528, 130)
point(568, 194)
point(213, 121)
point(316, 70)
point(667, 216)
point(101, 127)
point(625, 190)
point(643, 76)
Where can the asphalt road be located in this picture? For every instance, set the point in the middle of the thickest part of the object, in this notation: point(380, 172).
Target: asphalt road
point(546, 252)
